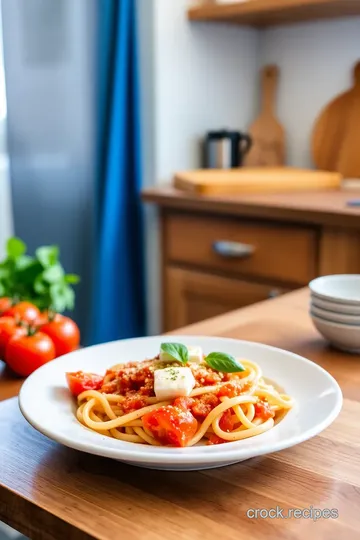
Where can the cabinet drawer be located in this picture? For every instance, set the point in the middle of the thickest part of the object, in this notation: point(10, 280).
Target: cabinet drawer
point(286, 253)
point(194, 296)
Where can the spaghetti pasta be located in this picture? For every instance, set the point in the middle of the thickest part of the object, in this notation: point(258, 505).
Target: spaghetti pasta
point(222, 406)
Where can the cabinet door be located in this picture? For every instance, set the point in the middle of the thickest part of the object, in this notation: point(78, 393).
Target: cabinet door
point(193, 296)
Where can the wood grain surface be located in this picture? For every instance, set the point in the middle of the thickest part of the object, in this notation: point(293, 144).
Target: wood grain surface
point(268, 135)
point(321, 208)
point(255, 179)
point(336, 135)
point(262, 13)
point(270, 242)
point(50, 492)
point(10, 384)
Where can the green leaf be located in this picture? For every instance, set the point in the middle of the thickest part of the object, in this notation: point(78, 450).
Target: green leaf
point(70, 298)
point(47, 255)
point(73, 279)
point(223, 362)
point(23, 262)
point(15, 248)
point(58, 300)
point(174, 351)
point(40, 286)
point(28, 274)
point(53, 274)
point(2, 290)
point(62, 297)
point(4, 272)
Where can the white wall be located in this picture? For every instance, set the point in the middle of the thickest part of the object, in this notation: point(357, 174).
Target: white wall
point(203, 77)
point(316, 61)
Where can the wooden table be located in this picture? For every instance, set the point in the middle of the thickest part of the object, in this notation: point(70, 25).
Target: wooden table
point(48, 491)
point(9, 384)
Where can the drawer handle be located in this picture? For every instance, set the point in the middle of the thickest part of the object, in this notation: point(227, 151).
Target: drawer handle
point(233, 249)
point(274, 293)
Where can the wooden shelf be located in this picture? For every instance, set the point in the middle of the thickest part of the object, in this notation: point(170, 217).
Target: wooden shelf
point(263, 13)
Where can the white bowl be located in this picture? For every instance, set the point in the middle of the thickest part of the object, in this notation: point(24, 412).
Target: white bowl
point(335, 307)
point(48, 407)
point(332, 316)
point(345, 337)
point(341, 288)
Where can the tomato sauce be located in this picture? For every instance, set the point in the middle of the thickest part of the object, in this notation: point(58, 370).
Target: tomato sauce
point(134, 382)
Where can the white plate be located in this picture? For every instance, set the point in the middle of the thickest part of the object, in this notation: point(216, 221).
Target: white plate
point(339, 288)
point(47, 405)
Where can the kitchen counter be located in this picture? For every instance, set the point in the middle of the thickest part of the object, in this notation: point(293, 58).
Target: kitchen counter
point(49, 491)
point(321, 208)
point(219, 253)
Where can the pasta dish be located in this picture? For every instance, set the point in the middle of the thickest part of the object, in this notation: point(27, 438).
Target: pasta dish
point(179, 398)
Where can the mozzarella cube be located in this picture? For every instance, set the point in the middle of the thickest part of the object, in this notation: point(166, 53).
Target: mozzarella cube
point(173, 382)
point(195, 355)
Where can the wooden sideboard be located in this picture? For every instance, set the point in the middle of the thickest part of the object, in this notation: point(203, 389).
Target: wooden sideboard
point(222, 253)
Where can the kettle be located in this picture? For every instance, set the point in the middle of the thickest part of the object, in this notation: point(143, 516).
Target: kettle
point(226, 149)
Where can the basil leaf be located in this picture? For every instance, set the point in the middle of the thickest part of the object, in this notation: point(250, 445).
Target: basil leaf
point(47, 255)
point(73, 279)
point(53, 274)
point(15, 248)
point(223, 362)
point(40, 286)
point(176, 351)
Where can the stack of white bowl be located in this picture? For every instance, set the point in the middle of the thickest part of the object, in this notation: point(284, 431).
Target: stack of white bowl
point(335, 310)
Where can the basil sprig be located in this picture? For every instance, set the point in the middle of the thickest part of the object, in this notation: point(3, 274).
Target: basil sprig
point(175, 351)
point(40, 279)
point(223, 362)
point(216, 360)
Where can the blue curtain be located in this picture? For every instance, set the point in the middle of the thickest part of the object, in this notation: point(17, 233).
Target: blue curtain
point(118, 294)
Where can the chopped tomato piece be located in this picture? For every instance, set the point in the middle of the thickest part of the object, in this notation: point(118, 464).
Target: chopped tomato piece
point(233, 389)
point(79, 382)
point(227, 421)
point(214, 439)
point(171, 425)
point(203, 405)
point(184, 402)
point(263, 410)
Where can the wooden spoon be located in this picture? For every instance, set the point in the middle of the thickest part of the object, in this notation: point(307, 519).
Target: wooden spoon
point(267, 133)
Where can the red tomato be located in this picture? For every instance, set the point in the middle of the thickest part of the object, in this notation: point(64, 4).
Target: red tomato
point(227, 421)
point(25, 353)
point(42, 319)
point(5, 304)
point(8, 329)
point(23, 311)
point(263, 410)
point(64, 333)
point(171, 425)
point(79, 381)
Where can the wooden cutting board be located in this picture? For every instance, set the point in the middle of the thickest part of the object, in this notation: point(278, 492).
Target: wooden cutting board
point(267, 133)
point(336, 134)
point(255, 180)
